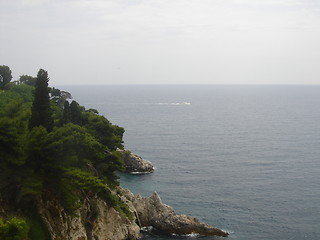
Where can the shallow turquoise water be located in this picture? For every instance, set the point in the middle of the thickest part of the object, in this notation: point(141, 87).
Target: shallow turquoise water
point(243, 158)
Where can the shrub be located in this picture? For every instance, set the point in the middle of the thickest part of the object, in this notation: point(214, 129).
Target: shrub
point(14, 229)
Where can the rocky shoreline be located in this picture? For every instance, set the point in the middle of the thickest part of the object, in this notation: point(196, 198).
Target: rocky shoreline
point(134, 164)
point(96, 220)
point(151, 211)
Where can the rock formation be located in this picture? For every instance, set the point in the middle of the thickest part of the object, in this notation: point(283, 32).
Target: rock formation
point(94, 220)
point(152, 212)
point(135, 164)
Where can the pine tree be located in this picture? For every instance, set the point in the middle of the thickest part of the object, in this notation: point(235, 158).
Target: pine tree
point(41, 111)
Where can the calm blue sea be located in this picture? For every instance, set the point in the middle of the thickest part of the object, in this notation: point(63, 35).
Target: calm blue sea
point(245, 159)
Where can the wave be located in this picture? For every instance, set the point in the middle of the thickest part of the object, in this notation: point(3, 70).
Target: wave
point(173, 103)
point(139, 173)
point(154, 232)
point(191, 235)
point(147, 229)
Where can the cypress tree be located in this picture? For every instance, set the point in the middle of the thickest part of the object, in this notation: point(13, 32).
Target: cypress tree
point(76, 116)
point(66, 117)
point(41, 111)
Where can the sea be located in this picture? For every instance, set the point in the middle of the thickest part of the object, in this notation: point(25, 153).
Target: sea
point(244, 158)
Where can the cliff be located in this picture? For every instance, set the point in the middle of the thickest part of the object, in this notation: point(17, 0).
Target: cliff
point(96, 220)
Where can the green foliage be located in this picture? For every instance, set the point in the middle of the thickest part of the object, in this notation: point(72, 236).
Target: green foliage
point(79, 183)
point(5, 76)
point(55, 92)
point(27, 80)
point(107, 166)
point(66, 116)
point(7, 99)
point(93, 110)
point(12, 109)
point(34, 172)
point(10, 142)
point(85, 181)
point(14, 229)
point(76, 115)
point(37, 138)
point(41, 111)
point(59, 97)
point(72, 160)
point(69, 197)
point(24, 91)
point(106, 133)
point(72, 145)
point(38, 229)
point(32, 185)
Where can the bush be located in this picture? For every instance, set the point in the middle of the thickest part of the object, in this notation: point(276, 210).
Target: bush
point(14, 229)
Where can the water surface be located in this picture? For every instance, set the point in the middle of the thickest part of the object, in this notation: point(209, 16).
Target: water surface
point(242, 158)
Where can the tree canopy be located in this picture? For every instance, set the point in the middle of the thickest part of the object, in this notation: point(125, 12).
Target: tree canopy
point(29, 80)
point(41, 110)
point(5, 76)
point(46, 146)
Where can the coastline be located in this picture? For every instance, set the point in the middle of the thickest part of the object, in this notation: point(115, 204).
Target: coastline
point(152, 213)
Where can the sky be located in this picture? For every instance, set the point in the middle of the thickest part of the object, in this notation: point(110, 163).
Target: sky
point(81, 42)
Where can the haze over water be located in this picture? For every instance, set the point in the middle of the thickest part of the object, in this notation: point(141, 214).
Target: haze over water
point(242, 158)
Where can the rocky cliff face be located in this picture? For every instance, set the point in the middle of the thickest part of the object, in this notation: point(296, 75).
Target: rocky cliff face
point(95, 220)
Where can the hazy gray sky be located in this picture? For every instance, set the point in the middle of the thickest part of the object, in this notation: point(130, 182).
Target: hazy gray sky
point(163, 41)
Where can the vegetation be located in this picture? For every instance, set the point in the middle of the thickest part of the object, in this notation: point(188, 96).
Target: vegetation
point(29, 80)
point(49, 145)
point(5, 76)
point(14, 229)
point(41, 111)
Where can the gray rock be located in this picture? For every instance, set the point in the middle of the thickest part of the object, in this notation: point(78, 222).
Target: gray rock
point(94, 220)
point(135, 164)
point(152, 212)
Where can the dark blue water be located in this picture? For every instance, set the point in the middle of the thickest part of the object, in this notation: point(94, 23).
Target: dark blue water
point(243, 158)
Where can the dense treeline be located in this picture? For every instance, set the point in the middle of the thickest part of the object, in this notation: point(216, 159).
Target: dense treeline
point(48, 145)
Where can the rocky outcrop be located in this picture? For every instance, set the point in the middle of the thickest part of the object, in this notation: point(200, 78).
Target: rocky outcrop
point(94, 220)
point(135, 164)
point(152, 212)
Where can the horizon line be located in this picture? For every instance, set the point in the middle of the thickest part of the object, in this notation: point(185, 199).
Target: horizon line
point(193, 84)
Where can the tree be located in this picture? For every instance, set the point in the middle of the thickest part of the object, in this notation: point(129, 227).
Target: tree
point(10, 142)
point(14, 229)
point(41, 111)
point(5, 76)
point(29, 80)
point(106, 133)
point(59, 96)
point(66, 117)
point(76, 115)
